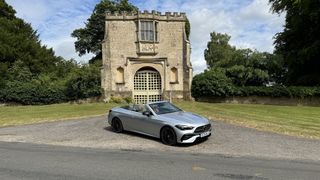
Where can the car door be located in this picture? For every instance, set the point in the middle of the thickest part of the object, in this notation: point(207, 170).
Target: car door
point(145, 124)
point(152, 125)
point(136, 118)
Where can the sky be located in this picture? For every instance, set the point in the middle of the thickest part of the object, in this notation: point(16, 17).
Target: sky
point(250, 23)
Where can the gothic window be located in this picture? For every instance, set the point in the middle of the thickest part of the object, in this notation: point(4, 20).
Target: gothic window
point(174, 75)
point(120, 75)
point(148, 31)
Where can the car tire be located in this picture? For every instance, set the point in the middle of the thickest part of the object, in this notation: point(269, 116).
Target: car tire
point(168, 136)
point(117, 125)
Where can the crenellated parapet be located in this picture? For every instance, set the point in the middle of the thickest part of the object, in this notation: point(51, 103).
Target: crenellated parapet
point(155, 15)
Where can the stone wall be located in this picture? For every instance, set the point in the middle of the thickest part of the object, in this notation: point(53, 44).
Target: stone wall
point(311, 101)
point(123, 49)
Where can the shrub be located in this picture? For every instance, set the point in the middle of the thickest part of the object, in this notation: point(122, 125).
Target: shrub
point(128, 99)
point(114, 99)
point(83, 83)
point(31, 93)
point(211, 83)
point(214, 83)
point(279, 91)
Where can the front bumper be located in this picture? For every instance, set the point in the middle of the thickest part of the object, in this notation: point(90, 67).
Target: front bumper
point(192, 137)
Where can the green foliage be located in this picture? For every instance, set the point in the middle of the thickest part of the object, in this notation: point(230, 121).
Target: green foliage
point(116, 100)
point(22, 58)
point(19, 72)
point(219, 82)
point(83, 83)
point(96, 59)
point(89, 38)
point(299, 43)
point(214, 83)
point(244, 67)
point(128, 99)
point(218, 50)
point(19, 42)
point(3, 74)
point(188, 29)
point(211, 83)
point(31, 74)
point(244, 76)
point(31, 93)
point(77, 82)
point(6, 10)
point(279, 91)
point(120, 100)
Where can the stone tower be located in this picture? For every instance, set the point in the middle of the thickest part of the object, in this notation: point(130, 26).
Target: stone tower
point(146, 56)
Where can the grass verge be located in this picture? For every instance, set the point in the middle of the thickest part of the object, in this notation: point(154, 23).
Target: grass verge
point(18, 115)
point(292, 120)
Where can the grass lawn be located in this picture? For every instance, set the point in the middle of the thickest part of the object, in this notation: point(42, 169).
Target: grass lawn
point(17, 115)
point(293, 120)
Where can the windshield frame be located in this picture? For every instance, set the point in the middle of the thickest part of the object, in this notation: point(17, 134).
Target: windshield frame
point(158, 109)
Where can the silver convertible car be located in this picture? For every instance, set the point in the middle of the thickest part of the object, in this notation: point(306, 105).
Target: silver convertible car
point(161, 120)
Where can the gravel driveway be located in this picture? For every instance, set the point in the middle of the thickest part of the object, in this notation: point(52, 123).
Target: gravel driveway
point(227, 140)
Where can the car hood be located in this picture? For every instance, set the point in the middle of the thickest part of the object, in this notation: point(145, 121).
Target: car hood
point(185, 118)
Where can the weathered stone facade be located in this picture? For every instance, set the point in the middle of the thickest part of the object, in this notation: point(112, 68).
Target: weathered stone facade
point(139, 49)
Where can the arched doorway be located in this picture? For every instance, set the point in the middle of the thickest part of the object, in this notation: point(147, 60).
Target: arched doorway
point(147, 85)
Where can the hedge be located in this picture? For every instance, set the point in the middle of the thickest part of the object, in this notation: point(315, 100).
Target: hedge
point(30, 93)
point(273, 91)
point(277, 91)
point(214, 83)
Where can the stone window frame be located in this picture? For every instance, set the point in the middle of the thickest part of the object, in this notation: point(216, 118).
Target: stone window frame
point(155, 31)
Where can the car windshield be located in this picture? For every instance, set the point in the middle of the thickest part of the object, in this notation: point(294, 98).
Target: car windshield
point(164, 108)
point(135, 107)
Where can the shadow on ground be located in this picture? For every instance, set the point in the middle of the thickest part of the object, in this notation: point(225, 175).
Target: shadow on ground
point(129, 133)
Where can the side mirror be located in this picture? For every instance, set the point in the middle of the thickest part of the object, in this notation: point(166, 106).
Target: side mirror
point(146, 113)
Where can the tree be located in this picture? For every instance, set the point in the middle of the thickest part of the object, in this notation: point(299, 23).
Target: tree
point(188, 29)
point(19, 42)
point(245, 67)
point(84, 82)
point(6, 10)
point(299, 43)
point(30, 73)
point(89, 39)
point(218, 50)
point(212, 82)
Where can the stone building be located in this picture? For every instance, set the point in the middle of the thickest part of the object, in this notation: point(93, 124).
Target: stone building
point(146, 56)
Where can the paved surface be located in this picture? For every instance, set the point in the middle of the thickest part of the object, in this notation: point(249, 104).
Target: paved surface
point(226, 139)
point(29, 161)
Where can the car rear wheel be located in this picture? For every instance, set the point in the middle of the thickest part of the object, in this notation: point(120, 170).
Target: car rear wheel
point(168, 136)
point(117, 125)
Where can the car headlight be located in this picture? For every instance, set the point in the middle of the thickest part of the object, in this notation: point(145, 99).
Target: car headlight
point(184, 127)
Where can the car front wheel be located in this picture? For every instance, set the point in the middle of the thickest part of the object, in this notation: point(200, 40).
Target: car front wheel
point(168, 136)
point(117, 125)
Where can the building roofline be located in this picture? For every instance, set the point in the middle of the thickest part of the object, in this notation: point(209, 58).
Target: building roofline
point(156, 15)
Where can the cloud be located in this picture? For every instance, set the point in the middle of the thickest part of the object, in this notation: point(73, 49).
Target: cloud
point(249, 22)
point(55, 21)
point(33, 12)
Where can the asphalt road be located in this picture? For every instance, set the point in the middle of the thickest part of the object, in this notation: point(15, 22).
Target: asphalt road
point(226, 139)
point(30, 161)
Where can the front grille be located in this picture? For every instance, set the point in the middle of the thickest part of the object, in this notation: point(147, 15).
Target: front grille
point(202, 129)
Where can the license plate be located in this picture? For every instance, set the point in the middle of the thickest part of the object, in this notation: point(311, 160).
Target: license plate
point(205, 134)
